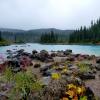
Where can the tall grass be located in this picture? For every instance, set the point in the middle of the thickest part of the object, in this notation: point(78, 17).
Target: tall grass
point(83, 67)
point(24, 83)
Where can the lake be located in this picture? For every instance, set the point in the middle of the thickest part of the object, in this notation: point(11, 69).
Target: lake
point(83, 49)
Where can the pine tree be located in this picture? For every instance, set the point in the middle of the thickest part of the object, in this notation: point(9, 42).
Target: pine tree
point(49, 37)
point(87, 35)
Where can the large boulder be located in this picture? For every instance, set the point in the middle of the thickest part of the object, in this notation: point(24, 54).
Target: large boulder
point(45, 67)
point(98, 60)
point(37, 65)
point(71, 58)
point(67, 52)
point(53, 54)
point(26, 54)
point(60, 54)
point(98, 66)
point(60, 59)
point(44, 53)
point(15, 65)
point(54, 90)
point(34, 52)
point(86, 76)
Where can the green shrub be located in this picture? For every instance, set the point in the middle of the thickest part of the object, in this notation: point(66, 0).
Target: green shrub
point(8, 75)
point(24, 83)
point(83, 67)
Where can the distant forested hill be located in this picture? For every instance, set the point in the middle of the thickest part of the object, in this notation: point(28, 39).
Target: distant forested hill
point(16, 35)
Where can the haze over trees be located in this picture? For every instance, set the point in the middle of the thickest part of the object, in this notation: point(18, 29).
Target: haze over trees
point(87, 35)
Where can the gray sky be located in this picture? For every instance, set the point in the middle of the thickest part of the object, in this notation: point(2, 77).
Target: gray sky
point(34, 14)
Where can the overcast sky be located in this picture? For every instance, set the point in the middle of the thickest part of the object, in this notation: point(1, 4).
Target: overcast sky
point(61, 14)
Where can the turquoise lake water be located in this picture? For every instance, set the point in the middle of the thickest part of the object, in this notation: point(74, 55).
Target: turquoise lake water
point(83, 49)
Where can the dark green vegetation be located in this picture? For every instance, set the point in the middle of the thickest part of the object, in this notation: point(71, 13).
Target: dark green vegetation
point(34, 36)
point(23, 84)
point(49, 38)
point(2, 41)
point(84, 35)
point(87, 35)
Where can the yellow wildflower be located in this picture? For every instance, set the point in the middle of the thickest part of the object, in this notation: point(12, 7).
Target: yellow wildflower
point(79, 90)
point(64, 70)
point(70, 93)
point(55, 76)
point(70, 86)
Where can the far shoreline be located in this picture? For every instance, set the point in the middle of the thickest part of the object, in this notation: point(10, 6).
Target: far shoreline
point(83, 44)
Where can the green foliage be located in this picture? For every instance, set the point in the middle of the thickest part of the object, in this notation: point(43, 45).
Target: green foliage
point(24, 83)
point(49, 38)
point(83, 98)
point(87, 35)
point(2, 41)
point(8, 75)
point(83, 67)
point(0, 36)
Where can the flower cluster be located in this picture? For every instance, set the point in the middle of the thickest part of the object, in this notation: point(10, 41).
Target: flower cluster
point(74, 92)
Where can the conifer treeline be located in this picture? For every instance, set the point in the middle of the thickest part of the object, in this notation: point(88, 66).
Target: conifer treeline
point(49, 38)
point(87, 35)
point(0, 36)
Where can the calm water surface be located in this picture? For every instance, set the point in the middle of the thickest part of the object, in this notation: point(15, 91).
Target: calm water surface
point(83, 49)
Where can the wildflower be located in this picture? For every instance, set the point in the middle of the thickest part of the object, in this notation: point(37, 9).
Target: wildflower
point(70, 93)
point(55, 76)
point(70, 86)
point(64, 70)
point(80, 90)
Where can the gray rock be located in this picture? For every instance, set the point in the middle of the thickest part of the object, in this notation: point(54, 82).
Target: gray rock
point(67, 52)
point(98, 66)
point(85, 76)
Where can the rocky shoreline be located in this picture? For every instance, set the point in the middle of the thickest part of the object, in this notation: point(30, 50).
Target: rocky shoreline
point(56, 71)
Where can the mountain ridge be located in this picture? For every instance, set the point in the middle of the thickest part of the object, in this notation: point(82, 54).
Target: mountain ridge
point(30, 30)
